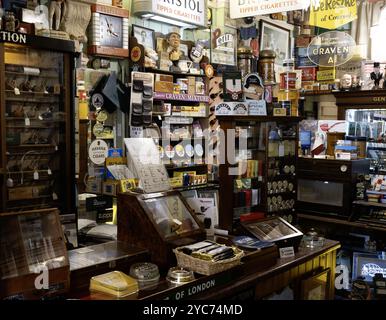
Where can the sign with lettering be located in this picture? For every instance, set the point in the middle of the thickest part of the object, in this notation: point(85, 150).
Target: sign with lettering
point(13, 37)
point(197, 287)
point(188, 11)
point(98, 151)
point(248, 8)
point(224, 46)
point(98, 203)
point(331, 49)
point(329, 14)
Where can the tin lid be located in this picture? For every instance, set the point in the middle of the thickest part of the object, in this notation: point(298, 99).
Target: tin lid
point(244, 50)
point(267, 54)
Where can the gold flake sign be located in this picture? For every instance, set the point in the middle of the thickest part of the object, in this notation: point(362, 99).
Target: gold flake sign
point(331, 14)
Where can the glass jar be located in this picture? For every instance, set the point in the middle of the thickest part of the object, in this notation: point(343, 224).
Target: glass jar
point(288, 76)
point(244, 60)
point(267, 66)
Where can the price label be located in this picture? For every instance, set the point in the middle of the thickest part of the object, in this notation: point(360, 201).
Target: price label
point(36, 175)
point(287, 252)
point(17, 91)
point(49, 172)
point(27, 122)
point(281, 150)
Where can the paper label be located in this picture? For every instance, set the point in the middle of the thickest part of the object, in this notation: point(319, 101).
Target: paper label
point(27, 122)
point(287, 252)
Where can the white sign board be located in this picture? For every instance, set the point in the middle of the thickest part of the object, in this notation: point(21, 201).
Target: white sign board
point(188, 11)
point(98, 151)
point(249, 8)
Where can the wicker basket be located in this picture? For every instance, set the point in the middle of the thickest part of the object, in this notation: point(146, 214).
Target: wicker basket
point(207, 267)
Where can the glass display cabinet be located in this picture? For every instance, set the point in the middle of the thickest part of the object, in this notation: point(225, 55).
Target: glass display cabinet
point(167, 219)
point(261, 177)
point(36, 122)
point(31, 243)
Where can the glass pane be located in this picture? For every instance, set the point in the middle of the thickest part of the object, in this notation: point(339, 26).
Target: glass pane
point(35, 114)
point(29, 243)
point(171, 215)
point(270, 230)
point(322, 192)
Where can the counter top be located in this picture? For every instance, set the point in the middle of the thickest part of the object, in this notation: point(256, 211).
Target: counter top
point(224, 284)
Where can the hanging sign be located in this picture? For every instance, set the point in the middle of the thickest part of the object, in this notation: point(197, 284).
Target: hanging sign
point(98, 151)
point(188, 11)
point(331, 49)
point(249, 8)
point(329, 14)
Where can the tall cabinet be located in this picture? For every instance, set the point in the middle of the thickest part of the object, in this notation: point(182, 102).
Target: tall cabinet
point(36, 121)
point(258, 174)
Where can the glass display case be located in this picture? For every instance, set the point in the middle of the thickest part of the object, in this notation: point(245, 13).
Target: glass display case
point(168, 220)
point(31, 243)
point(274, 229)
point(36, 123)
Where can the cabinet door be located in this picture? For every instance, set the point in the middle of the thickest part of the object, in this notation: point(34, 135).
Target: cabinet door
point(36, 122)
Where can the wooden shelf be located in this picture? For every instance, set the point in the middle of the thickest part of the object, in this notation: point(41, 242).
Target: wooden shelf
point(195, 187)
point(362, 225)
point(32, 75)
point(152, 70)
point(258, 118)
point(188, 166)
point(316, 93)
point(31, 146)
point(33, 93)
point(180, 97)
point(370, 204)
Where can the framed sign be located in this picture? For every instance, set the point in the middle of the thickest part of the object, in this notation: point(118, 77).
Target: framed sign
point(144, 36)
point(224, 46)
point(273, 37)
point(316, 287)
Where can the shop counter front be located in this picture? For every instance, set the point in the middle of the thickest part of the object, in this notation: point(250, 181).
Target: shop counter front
point(259, 276)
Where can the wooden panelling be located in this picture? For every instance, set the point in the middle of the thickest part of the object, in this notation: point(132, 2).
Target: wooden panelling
point(283, 279)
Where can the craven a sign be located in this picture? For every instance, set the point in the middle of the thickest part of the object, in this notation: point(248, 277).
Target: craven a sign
point(331, 14)
point(331, 49)
point(248, 8)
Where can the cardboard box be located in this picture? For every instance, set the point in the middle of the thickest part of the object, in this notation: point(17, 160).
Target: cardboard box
point(325, 75)
point(192, 85)
point(308, 85)
point(163, 86)
point(163, 83)
point(308, 74)
point(279, 112)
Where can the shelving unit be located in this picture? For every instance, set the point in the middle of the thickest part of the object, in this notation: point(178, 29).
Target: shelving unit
point(273, 143)
point(36, 126)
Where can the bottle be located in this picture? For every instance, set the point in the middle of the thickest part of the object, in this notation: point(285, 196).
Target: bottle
point(288, 76)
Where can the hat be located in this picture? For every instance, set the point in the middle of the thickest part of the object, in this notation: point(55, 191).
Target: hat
point(173, 30)
point(376, 64)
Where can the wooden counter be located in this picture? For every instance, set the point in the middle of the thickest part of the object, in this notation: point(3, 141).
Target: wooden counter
point(244, 282)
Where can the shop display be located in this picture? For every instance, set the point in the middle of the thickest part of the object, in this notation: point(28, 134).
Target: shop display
point(141, 101)
point(36, 140)
point(178, 276)
point(208, 257)
point(266, 170)
point(275, 229)
point(115, 283)
point(167, 218)
point(147, 275)
point(30, 242)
